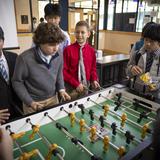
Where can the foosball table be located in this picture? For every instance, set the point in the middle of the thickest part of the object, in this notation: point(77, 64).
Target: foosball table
point(110, 124)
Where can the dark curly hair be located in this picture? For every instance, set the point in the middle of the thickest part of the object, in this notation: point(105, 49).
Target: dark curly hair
point(48, 33)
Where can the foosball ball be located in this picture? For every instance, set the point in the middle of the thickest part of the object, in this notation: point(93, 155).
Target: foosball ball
point(108, 125)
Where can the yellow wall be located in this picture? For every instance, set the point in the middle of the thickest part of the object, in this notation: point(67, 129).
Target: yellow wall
point(117, 42)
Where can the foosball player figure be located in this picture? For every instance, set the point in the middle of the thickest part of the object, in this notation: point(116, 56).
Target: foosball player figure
point(52, 151)
point(93, 133)
point(114, 128)
point(129, 137)
point(119, 96)
point(15, 136)
point(101, 119)
point(118, 104)
point(141, 116)
point(29, 155)
point(145, 128)
point(91, 113)
point(106, 109)
point(136, 104)
point(35, 129)
point(24, 155)
point(123, 119)
point(81, 106)
point(72, 118)
point(121, 151)
point(82, 125)
point(106, 143)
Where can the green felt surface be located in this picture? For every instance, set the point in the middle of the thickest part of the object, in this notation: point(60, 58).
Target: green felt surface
point(73, 152)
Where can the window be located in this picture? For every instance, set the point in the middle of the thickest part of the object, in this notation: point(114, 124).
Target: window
point(111, 6)
point(101, 14)
point(131, 15)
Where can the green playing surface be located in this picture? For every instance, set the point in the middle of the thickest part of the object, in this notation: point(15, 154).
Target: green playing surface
point(73, 152)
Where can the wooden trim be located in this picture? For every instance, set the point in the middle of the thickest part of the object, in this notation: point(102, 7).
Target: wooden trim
point(111, 52)
point(15, 11)
point(122, 33)
point(102, 31)
point(24, 34)
point(23, 30)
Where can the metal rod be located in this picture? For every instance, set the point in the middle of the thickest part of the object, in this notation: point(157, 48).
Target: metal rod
point(70, 136)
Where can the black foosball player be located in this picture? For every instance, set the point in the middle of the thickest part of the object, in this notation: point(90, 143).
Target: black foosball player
point(119, 96)
point(136, 104)
point(141, 116)
point(118, 104)
point(114, 128)
point(101, 119)
point(129, 137)
point(91, 113)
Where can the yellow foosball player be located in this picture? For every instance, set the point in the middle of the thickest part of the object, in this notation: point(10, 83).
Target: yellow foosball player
point(35, 129)
point(121, 151)
point(106, 109)
point(106, 143)
point(144, 131)
point(82, 125)
point(123, 119)
point(52, 149)
point(93, 133)
point(72, 118)
point(27, 156)
point(17, 136)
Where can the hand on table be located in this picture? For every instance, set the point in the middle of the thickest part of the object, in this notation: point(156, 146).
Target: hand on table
point(36, 105)
point(64, 95)
point(4, 115)
point(80, 88)
point(95, 85)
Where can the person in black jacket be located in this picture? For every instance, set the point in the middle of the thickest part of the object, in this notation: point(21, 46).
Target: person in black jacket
point(8, 98)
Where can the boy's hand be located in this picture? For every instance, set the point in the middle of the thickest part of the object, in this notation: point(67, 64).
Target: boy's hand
point(4, 115)
point(80, 88)
point(136, 70)
point(95, 85)
point(36, 105)
point(64, 95)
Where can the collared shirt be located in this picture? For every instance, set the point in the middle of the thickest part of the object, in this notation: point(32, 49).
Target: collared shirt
point(45, 58)
point(2, 57)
